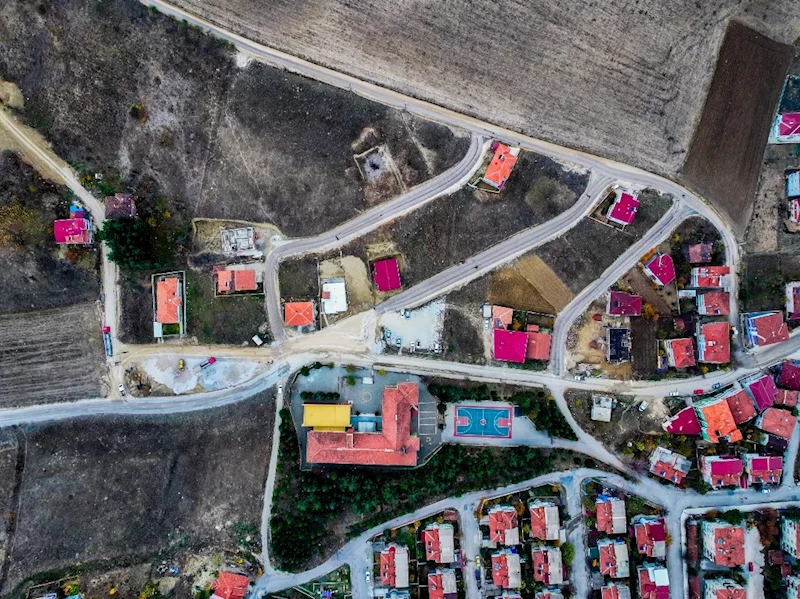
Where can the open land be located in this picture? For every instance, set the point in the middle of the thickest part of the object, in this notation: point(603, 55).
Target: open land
point(105, 489)
point(584, 252)
point(463, 334)
point(725, 156)
point(34, 272)
point(764, 277)
point(644, 347)
point(452, 228)
point(633, 97)
point(168, 109)
point(38, 348)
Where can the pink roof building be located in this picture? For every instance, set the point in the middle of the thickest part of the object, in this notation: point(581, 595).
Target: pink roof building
point(387, 274)
point(510, 346)
point(503, 525)
point(623, 304)
point(650, 534)
point(763, 469)
point(714, 303)
point(787, 127)
point(721, 471)
point(73, 231)
point(740, 404)
point(714, 343)
point(775, 421)
point(761, 389)
point(685, 422)
point(680, 352)
point(660, 269)
point(624, 209)
point(789, 377)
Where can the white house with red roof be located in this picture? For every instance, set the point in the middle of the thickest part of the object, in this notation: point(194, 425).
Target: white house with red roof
point(669, 465)
point(439, 543)
point(660, 269)
point(614, 559)
point(714, 303)
point(650, 534)
point(394, 566)
point(653, 581)
point(547, 566)
point(545, 521)
point(714, 342)
point(724, 588)
point(710, 277)
point(615, 590)
point(723, 543)
point(762, 469)
point(790, 535)
point(623, 304)
point(721, 471)
point(506, 569)
point(611, 517)
point(764, 328)
point(503, 525)
point(623, 209)
point(680, 352)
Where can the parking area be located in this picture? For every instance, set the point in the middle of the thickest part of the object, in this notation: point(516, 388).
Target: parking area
point(413, 330)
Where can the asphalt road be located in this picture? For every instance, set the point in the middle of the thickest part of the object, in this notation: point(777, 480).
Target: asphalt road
point(445, 183)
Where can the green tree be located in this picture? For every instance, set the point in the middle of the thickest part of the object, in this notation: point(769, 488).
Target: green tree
point(568, 552)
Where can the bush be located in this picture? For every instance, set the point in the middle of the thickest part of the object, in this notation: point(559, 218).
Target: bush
point(568, 552)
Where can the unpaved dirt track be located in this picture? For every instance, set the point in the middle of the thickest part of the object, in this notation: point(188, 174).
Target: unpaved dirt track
point(619, 79)
point(50, 356)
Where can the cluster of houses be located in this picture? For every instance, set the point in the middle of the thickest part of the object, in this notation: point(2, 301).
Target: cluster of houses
point(763, 400)
point(78, 229)
point(440, 559)
point(611, 556)
point(517, 346)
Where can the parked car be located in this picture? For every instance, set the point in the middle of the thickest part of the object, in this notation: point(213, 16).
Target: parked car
point(388, 335)
point(485, 324)
point(643, 405)
point(121, 389)
point(674, 394)
point(716, 386)
point(398, 342)
point(208, 362)
point(181, 365)
point(698, 392)
point(367, 576)
point(477, 561)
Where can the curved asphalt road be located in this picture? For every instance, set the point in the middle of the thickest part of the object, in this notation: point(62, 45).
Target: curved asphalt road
point(447, 182)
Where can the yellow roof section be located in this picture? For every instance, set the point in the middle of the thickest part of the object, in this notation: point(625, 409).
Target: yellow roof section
point(326, 416)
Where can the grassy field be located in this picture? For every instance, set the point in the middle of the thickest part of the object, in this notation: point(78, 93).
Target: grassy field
point(98, 490)
point(168, 109)
point(51, 355)
point(725, 156)
point(764, 278)
point(619, 80)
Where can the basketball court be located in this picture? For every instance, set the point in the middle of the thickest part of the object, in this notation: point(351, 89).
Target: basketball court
point(472, 421)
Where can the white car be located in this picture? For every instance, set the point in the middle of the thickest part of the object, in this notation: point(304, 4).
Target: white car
point(643, 406)
point(121, 389)
point(280, 388)
point(367, 576)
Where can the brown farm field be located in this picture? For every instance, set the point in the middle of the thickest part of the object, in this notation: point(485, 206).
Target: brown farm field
point(100, 490)
point(726, 153)
point(51, 355)
point(173, 112)
point(619, 79)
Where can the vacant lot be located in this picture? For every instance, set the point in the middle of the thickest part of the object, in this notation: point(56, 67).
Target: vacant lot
point(629, 84)
point(98, 490)
point(764, 279)
point(169, 109)
point(51, 355)
point(529, 284)
point(644, 347)
point(34, 272)
point(463, 334)
point(728, 146)
point(582, 254)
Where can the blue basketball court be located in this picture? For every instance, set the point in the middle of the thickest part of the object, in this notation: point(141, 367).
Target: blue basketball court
point(473, 421)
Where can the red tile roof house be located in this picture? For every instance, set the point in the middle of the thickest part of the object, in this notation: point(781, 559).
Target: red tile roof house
point(765, 470)
point(790, 535)
point(510, 346)
point(724, 588)
point(614, 559)
point(386, 274)
point(680, 352)
point(786, 397)
point(716, 420)
point(684, 422)
point(233, 281)
point(793, 300)
point(547, 565)
point(442, 584)
point(761, 389)
point(502, 317)
point(611, 517)
point(710, 276)
point(230, 586)
point(778, 422)
point(650, 534)
point(765, 328)
point(545, 522)
point(740, 404)
point(623, 209)
point(669, 465)
point(623, 304)
point(714, 343)
point(723, 543)
point(169, 299)
point(394, 566)
point(721, 471)
point(439, 543)
point(499, 169)
point(120, 205)
point(73, 231)
point(698, 253)
point(653, 581)
point(789, 378)
point(660, 269)
point(546, 594)
point(615, 590)
point(714, 303)
point(393, 446)
point(506, 569)
point(503, 525)
point(538, 347)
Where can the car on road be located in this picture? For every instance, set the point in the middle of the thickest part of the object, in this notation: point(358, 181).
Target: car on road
point(367, 576)
point(121, 389)
point(674, 394)
point(208, 362)
point(698, 392)
point(485, 324)
point(398, 342)
point(280, 388)
point(716, 386)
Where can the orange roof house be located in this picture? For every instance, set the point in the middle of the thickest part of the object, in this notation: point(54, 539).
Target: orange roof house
point(716, 420)
point(298, 314)
point(501, 317)
point(499, 169)
point(680, 352)
point(723, 543)
point(229, 281)
point(714, 343)
point(230, 586)
point(394, 445)
point(168, 301)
